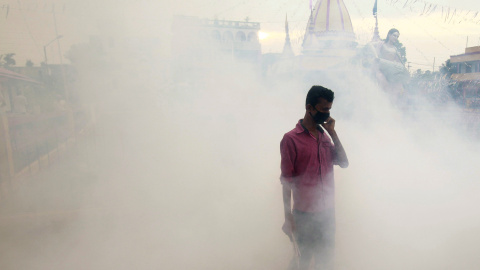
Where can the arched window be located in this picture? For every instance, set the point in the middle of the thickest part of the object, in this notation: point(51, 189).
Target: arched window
point(252, 37)
point(228, 36)
point(240, 36)
point(215, 35)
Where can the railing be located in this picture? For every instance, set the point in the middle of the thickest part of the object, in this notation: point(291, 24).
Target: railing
point(29, 139)
point(34, 136)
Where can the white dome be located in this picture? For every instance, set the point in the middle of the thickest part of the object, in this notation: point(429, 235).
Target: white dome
point(329, 26)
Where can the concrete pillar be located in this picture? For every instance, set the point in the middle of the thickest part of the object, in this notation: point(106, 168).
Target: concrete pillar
point(6, 159)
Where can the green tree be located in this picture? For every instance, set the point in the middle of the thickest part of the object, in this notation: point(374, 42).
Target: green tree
point(29, 63)
point(6, 60)
point(447, 69)
point(432, 85)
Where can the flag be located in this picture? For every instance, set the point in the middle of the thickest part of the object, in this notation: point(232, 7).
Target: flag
point(375, 8)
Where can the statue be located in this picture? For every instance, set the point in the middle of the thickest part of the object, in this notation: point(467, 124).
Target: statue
point(388, 67)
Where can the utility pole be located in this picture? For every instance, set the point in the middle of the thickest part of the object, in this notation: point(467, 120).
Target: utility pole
point(433, 68)
point(61, 58)
point(408, 66)
point(46, 45)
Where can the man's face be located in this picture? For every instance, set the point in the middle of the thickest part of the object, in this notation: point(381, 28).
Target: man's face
point(322, 106)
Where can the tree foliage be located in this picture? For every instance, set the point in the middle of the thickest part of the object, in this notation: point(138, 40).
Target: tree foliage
point(447, 69)
point(6, 60)
point(29, 63)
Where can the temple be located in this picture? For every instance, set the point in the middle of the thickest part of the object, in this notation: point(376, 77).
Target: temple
point(198, 41)
point(329, 42)
point(329, 27)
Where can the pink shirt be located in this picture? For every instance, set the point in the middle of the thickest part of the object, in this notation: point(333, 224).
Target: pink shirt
point(307, 166)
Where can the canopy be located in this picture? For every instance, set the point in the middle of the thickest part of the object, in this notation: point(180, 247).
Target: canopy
point(8, 74)
point(466, 77)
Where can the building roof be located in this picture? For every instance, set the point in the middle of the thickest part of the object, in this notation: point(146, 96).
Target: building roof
point(330, 17)
point(6, 74)
point(471, 54)
point(329, 27)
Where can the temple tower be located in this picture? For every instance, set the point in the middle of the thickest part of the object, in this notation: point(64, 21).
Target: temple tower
point(329, 30)
point(287, 47)
point(376, 33)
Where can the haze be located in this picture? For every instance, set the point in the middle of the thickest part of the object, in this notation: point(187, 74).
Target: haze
point(180, 168)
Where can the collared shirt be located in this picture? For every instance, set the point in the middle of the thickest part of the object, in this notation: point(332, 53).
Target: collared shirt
point(307, 166)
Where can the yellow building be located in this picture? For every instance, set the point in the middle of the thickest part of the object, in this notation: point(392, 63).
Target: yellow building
point(467, 75)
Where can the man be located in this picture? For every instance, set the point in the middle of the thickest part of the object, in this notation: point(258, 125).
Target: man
point(308, 156)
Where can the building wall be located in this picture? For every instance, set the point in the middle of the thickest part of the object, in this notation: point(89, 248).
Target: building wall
point(469, 62)
point(198, 40)
point(467, 75)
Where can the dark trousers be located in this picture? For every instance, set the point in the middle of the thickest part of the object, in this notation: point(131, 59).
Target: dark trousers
point(315, 235)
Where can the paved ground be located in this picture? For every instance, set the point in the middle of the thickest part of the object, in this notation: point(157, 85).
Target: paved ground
point(36, 212)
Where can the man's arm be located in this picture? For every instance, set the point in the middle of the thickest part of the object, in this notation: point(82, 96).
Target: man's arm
point(289, 225)
point(340, 155)
point(288, 155)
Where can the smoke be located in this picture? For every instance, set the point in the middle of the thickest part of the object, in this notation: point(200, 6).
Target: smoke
point(181, 172)
point(406, 200)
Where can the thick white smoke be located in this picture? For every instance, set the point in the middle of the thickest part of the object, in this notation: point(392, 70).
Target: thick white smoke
point(182, 173)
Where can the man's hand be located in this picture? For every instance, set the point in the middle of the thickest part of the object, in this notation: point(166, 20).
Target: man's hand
point(329, 125)
point(341, 156)
point(289, 225)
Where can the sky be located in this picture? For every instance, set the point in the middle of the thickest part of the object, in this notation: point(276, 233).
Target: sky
point(28, 25)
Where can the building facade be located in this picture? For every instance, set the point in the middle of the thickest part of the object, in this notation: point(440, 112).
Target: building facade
point(196, 40)
point(467, 75)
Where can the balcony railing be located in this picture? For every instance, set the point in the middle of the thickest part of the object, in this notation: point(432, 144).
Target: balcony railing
point(232, 24)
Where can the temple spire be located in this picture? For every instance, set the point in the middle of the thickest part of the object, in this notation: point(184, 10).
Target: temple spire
point(287, 48)
point(376, 34)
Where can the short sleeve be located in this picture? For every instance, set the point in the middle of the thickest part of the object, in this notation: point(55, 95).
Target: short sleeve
point(288, 156)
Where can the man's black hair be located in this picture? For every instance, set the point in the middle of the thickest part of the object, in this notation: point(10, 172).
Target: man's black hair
point(317, 92)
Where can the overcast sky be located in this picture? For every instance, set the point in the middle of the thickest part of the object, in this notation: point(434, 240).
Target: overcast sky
point(27, 26)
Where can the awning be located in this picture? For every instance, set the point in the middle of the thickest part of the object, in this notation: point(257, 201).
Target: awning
point(463, 77)
point(8, 74)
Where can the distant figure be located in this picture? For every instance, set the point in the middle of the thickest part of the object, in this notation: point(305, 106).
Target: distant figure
point(20, 103)
point(390, 69)
point(307, 158)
